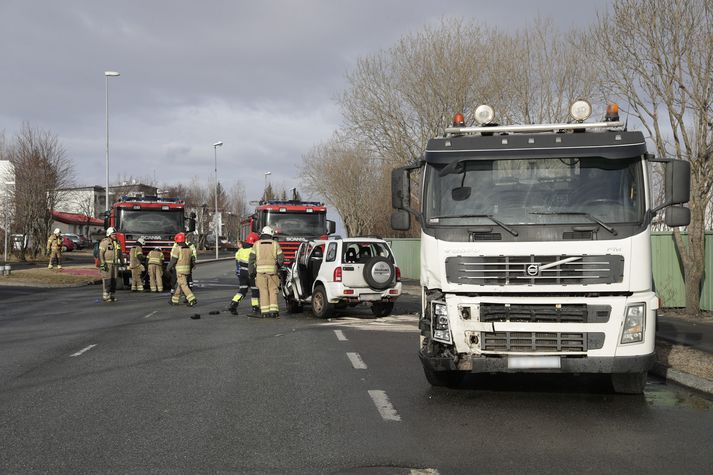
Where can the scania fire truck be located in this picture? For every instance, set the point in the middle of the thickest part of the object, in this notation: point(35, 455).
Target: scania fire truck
point(155, 219)
point(292, 221)
point(536, 247)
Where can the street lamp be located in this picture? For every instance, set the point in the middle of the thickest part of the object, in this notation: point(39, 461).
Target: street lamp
point(107, 75)
point(215, 218)
point(5, 224)
point(264, 192)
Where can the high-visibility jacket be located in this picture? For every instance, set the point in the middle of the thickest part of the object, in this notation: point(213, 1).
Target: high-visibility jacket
point(265, 256)
point(156, 257)
point(109, 251)
point(185, 261)
point(136, 255)
point(242, 257)
point(54, 243)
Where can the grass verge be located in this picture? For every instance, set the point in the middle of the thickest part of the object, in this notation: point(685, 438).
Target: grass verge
point(75, 275)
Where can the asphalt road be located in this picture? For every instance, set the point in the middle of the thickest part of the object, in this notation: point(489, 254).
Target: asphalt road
point(138, 386)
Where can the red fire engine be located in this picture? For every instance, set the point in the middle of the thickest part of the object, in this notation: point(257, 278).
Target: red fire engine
point(292, 221)
point(155, 219)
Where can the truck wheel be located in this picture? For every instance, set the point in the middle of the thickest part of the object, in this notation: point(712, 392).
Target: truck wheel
point(449, 379)
point(629, 383)
point(321, 308)
point(382, 309)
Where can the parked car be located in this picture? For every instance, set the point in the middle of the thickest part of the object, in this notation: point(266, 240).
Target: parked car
point(79, 243)
point(336, 273)
point(67, 243)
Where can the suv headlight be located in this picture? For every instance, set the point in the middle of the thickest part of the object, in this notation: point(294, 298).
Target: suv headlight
point(439, 323)
point(634, 323)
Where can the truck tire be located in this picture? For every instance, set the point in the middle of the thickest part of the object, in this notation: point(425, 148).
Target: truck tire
point(449, 379)
point(321, 308)
point(379, 273)
point(382, 309)
point(629, 383)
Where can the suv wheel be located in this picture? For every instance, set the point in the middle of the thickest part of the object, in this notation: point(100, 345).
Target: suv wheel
point(379, 273)
point(382, 309)
point(321, 308)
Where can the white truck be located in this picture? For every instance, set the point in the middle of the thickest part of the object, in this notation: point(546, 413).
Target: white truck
point(536, 249)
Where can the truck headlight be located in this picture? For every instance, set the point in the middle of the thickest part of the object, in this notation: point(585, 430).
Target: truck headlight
point(440, 324)
point(634, 323)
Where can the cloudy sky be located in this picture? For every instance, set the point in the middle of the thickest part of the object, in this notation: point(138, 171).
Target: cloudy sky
point(259, 75)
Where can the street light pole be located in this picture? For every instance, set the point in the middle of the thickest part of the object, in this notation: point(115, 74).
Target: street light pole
point(215, 217)
point(107, 75)
point(264, 192)
point(5, 206)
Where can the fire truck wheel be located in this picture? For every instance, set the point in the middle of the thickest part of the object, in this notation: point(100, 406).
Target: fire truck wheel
point(321, 308)
point(379, 273)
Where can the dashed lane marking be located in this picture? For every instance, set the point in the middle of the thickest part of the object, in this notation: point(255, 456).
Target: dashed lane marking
point(383, 405)
point(84, 350)
point(340, 335)
point(151, 314)
point(356, 360)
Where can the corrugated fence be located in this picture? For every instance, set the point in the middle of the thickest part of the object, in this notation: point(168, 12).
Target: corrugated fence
point(667, 267)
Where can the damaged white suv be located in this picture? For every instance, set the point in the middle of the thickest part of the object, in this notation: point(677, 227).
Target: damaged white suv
point(338, 273)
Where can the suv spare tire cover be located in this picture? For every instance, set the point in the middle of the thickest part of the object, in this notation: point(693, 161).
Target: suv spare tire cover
point(379, 273)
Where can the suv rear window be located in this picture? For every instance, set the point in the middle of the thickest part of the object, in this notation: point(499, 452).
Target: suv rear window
point(360, 252)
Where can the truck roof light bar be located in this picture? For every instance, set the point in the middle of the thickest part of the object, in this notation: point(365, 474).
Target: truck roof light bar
point(531, 128)
point(291, 202)
point(144, 199)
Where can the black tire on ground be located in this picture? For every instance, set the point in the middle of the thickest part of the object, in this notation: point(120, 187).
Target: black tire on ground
point(379, 273)
point(293, 306)
point(449, 379)
point(382, 309)
point(321, 308)
point(629, 383)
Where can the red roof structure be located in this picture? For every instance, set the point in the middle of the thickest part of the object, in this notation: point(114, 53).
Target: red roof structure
point(76, 218)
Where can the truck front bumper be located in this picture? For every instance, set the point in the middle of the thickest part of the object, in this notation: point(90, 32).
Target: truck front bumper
point(580, 364)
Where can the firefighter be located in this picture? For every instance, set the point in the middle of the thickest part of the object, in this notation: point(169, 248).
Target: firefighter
point(137, 264)
point(242, 259)
point(54, 249)
point(194, 252)
point(182, 260)
point(109, 260)
point(156, 270)
point(265, 259)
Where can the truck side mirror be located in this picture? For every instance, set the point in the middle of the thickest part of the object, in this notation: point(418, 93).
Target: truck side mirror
point(677, 187)
point(331, 226)
point(677, 216)
point(401, 220)
point(106, 219)
point(400, 188)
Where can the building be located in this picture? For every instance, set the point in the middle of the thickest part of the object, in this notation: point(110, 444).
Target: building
point(90, 200)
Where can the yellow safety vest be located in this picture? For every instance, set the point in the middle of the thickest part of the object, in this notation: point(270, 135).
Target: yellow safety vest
point(183, 266)
point(266, 253)
point(134, 255)
point(243, 256)
point(156, 257)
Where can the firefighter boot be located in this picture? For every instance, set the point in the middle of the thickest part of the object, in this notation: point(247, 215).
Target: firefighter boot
point(233, 307)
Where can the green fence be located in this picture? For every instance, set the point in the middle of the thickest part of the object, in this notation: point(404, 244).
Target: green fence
point(666, 266)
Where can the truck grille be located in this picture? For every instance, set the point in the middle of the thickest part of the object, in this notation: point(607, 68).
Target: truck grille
point(568, 313)
point(289, 248)
point(535, 270)
point(533, 342)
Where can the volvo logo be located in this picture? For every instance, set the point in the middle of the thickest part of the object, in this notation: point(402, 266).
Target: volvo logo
point(533, 269)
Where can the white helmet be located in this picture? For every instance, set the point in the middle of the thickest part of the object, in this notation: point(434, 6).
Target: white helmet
point(110, 231)
point(141, 241)
point(267, 230)
point(56, 230)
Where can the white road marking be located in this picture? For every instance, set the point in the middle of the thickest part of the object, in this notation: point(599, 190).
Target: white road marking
point(82, 351)
point(340, 335)
point(424, 471)
point(356, 360)
point(383, 405)
point(151, 314)
point(393, 323)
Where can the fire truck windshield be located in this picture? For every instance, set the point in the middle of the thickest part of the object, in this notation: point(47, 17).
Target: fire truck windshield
point(296, 224)
point(150, 221)
point(535, 191)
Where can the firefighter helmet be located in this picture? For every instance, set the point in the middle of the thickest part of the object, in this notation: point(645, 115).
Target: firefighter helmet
point(141, 241)
point(56, 231)
point(267, 230)
point(110, 231)
point(252, 238)
point(180, 237)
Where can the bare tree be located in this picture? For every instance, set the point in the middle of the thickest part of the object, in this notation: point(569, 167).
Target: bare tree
point(660, 62)
point(41, 168)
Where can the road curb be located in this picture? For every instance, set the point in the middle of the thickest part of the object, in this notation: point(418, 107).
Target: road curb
point(684, 379)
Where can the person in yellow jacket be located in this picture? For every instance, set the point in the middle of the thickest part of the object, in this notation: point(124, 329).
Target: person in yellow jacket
point(109, 260)
point(242, 260)
point(182, 260)
point(136, 264)
point(155, 259)
point(54, 249)
point(265, 259)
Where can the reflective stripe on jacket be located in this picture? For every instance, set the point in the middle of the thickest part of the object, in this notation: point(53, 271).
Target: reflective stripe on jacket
point(243, 257)
point(156, 257)
point(135, 256)
point(266, 256)
point(185, 261)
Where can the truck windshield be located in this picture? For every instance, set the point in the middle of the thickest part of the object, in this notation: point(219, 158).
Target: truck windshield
point(149, 221)
point(535, 191)
point(296, 224)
